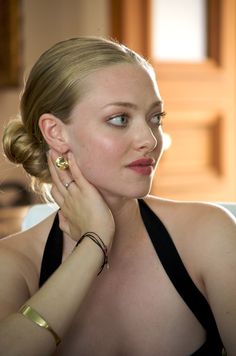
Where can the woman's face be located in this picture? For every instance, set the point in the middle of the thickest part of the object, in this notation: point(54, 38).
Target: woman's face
point(115, 131)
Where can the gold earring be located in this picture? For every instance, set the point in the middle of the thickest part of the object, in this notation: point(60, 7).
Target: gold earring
point(62, 163)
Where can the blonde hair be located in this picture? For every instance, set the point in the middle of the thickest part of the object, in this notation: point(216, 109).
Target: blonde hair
point(55, 85)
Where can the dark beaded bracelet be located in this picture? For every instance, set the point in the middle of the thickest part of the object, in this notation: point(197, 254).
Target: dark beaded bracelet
point(98, 241)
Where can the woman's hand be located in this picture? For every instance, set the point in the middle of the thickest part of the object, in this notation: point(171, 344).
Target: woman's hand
point(82, 207)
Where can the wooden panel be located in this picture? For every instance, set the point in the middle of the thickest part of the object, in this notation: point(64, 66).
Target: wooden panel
point(201, 100)
point(195, 138)
point(194, 164)
point(129, 23)
point(9, 42)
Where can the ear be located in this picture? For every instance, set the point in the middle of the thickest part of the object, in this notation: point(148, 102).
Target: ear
point(54, 132)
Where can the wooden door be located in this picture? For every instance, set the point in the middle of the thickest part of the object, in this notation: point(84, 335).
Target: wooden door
point(199, 101)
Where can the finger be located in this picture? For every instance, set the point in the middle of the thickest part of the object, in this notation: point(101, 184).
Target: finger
point(59, 177)
point(77, 176)
point(58, 198)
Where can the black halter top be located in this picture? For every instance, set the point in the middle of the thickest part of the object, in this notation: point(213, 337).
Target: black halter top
point(173, 265)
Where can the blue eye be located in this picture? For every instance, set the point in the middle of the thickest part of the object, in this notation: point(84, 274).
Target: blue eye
point(119, 120)
point(157, 118)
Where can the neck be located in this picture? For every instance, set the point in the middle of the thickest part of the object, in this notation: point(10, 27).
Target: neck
point(121, 207)
point(126, 215)
point(129, 229)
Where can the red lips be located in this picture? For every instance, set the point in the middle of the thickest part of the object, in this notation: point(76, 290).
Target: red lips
point(143, 166)
point(142, 162)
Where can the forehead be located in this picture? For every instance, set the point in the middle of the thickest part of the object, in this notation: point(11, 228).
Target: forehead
point(120, 79)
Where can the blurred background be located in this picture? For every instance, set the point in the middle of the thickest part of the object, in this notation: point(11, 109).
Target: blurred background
point(191, 44)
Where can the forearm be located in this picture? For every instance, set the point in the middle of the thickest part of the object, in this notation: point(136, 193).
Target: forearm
point(68, 286)
point(57, 302)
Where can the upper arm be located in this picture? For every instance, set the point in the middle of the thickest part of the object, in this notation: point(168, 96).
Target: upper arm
point(219, 273)
point(13, 286)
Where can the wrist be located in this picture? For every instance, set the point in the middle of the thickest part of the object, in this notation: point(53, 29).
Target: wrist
point(98, 241)
point(106, 236)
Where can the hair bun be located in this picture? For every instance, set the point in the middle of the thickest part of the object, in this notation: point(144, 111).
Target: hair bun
point(22, 148)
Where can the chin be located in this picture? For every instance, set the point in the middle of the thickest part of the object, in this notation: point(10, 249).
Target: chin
point(140, 195)
point(126, 193)
point(123, 189)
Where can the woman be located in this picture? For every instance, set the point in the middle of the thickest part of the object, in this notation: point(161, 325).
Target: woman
point(90, 126)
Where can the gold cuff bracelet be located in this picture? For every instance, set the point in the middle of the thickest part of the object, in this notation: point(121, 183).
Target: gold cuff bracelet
point(36, 318)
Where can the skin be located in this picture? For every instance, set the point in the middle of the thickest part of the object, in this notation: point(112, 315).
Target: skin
point(132, 308)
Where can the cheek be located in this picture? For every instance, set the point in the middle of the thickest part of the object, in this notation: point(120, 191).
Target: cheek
point(94, 154)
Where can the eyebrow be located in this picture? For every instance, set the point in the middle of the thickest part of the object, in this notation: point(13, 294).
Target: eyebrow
point(132, 105)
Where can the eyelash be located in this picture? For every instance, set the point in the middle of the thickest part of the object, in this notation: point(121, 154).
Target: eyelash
point(160, 116)
point(126, 116)
point(123, 115)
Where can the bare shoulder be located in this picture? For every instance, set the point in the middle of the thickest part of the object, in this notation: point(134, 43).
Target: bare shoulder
point(197, 217)
point(20, 260)
point(204, 234)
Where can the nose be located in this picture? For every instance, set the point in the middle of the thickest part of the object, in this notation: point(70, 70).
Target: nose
point(146, 140)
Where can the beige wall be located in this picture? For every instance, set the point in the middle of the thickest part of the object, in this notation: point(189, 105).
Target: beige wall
point(44, 23)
